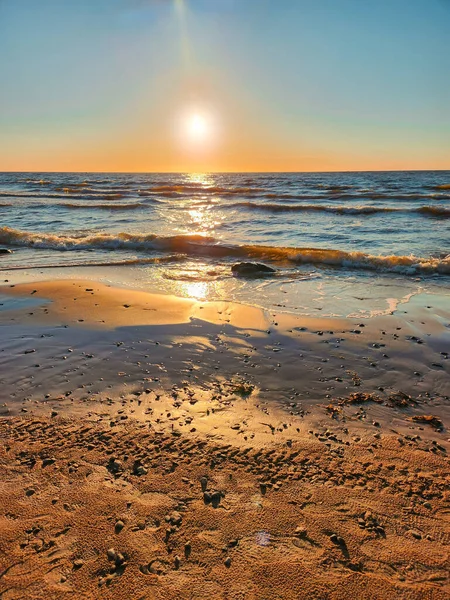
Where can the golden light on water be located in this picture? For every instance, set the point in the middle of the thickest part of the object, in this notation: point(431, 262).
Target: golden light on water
point(205, 179)
point(197, 290)
point(203, 220)
point(197, 281)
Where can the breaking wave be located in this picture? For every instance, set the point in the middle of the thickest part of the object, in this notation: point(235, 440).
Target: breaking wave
point(197, 245)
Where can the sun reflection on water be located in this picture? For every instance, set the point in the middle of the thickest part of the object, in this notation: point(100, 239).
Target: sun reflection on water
point(197, 290)
point(202, 209)
point(197, 280)
point(200, 179)
point(203, 220)
point(198, 215)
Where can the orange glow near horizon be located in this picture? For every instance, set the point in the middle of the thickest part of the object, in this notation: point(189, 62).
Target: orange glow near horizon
point(135, 156)
point(191, 87)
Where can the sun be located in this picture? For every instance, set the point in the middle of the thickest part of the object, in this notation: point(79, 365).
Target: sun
point(198, 127)
point(196, 131)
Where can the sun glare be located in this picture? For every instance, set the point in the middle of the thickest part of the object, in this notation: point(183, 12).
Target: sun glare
point(198, 127)
point(196, 132)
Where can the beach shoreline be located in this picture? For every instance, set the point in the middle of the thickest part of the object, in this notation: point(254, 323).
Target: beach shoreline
point(220, 450)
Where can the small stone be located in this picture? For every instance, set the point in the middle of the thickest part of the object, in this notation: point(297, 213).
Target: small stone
point(337, 540)
point(415, 534)
point(177, 562)
point(204, 483)
point(227, 562)
point(114, 465)
point(111, 553)
point(216, 497)
point(119, 526)
point(139, 469)
point(301, 532)
point(78, 563)
point(175, 518)
point(251, 269)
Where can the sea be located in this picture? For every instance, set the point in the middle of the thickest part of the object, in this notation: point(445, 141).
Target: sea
point(342, 244)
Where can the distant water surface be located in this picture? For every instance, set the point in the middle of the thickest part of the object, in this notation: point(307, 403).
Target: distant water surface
point(181, 233)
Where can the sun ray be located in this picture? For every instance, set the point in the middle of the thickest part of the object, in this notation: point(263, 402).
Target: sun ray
point(186, 47)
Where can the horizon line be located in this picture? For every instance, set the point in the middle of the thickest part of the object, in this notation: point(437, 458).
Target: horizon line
point(235, 172)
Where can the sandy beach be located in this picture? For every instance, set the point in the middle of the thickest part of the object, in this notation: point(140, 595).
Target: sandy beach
point(224, 300)
point(159, 447)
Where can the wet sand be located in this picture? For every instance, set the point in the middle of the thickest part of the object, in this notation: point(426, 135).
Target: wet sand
point(157, 447)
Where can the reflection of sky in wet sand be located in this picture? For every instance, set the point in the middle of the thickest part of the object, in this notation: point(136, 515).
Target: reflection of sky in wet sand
point(19, 302)
point(197, 280)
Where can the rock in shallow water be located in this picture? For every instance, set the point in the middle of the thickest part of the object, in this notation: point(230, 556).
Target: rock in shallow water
point(5, 251)
point(249, 269)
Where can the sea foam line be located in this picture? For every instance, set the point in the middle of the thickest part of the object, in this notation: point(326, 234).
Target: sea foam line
point(197, 245)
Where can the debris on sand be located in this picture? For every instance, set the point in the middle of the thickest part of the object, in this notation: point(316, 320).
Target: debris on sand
point(360, 398)
point(401, 400)
point(242, 388)
point(435, 422)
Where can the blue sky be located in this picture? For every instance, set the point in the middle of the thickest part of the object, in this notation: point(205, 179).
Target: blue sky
point(293, 85)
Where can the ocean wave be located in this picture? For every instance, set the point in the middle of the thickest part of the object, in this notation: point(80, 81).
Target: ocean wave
point(350, 210)
point(432, 211)
point(195, 191)
point(394, 197)
point(69, 194)
point(181, 191)
point(197, 245)
point(130, 206)
point(189, 189)
point(39, 181)
point(103, 241)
